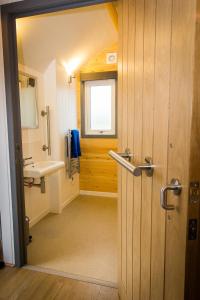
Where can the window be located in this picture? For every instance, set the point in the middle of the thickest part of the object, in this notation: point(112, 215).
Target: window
point(99, 108)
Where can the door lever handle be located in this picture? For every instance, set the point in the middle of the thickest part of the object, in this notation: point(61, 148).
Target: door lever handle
point(174, 186)
point(124, 159)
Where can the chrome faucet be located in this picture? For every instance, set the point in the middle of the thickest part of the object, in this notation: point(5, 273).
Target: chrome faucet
point(27, 163)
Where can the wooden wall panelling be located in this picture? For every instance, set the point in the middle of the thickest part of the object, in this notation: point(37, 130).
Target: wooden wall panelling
point(161, 115)
point(78, 102)
point(130, 132)
point(157, 91)
point(147, 144)
point(113, 14)
point(181, 98)
point(192, 288)
point(124, 139)
point(98, 63)
point(138, 98)
point(120, 132)
point(98, 170)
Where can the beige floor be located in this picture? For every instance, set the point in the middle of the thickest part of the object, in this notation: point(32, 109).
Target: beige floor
point(82, 240)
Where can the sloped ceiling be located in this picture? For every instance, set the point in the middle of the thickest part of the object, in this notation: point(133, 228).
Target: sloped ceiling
point(72, 36)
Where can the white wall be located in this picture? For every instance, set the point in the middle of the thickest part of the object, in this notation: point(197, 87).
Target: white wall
point(52, 90)
point(56, 37)
point(67, 117)
point(62, 101)
point(65, 104)
point(36, 203)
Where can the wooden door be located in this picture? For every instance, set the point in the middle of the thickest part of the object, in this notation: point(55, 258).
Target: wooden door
point(155, 105)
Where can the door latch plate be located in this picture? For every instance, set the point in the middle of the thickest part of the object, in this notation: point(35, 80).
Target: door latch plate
point(192, 234)
point(194, 192)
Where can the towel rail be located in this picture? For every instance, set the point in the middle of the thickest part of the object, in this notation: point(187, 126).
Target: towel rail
point(73, 164)
point(135, 170)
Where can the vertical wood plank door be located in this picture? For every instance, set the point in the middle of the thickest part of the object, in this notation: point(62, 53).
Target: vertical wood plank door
point(155, 111)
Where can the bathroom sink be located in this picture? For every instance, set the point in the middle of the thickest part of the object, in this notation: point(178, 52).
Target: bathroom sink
point(42, 168)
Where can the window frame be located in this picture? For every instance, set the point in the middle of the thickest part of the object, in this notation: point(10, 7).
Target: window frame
point(96, 76)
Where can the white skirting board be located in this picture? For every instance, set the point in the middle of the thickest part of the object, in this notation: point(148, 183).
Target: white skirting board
point(38, 218)
point(69, 200)
point(100, 194)
point(43, 214)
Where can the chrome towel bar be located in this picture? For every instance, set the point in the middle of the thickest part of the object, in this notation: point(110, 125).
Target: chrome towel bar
point(135, 170)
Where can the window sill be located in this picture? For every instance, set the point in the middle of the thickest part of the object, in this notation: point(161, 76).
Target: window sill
point(98, 136)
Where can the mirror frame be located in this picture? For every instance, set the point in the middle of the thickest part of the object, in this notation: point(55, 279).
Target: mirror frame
point(36, 94)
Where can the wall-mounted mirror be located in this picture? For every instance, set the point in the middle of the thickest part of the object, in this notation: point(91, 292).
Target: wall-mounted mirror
point(28, 101)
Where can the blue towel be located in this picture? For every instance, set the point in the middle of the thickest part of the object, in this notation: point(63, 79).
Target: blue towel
point(75, 144)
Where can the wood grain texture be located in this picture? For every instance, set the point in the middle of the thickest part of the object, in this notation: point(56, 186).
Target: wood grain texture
point(130, 141)
point(112, 10)
point(181, 95)
point(98, 170)
point(137, 143)
point(154, 75)
point(124, 139)
point(98, 63)
point(26, 284)
point(120, 132)
point(161, 116)
point(147, 144)
point(192, 288)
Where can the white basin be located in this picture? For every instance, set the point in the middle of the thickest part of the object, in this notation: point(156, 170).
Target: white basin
point(42, 168)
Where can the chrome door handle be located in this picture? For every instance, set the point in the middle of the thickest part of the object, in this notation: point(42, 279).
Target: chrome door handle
point(174, 186)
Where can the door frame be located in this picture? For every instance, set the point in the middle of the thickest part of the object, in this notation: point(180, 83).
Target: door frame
point(9, 14)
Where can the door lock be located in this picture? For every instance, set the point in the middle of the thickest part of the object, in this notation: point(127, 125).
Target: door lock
point(194, 192)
